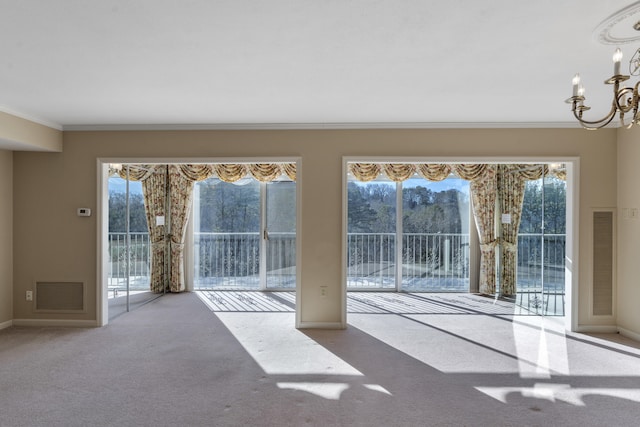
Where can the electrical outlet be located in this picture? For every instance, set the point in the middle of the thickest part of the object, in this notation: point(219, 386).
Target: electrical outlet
point(29, 295)
point(323, 291)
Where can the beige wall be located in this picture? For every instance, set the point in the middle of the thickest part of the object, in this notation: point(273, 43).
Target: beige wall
point(52, 243)
point(628, 245)
point(6, 237)
point(17, 133)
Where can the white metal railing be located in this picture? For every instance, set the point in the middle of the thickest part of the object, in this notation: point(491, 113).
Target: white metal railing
point(540, 280)
point(139, 257)
point(436, 261)
point(232, 260)
point(531, 263)
point(430, 261)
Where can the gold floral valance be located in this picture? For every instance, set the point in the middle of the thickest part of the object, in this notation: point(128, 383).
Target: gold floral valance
point(230, 172)
point(265, 172)
point(134, 172)
point(434, 172)
point(365, 171)
point(289, 169)
point(473, 172)
point(402, 171)
point(399, 172)
point(196, 172)
point(227, 172)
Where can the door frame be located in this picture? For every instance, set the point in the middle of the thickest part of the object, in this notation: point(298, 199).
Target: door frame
point(572, 266)
point(102, 217)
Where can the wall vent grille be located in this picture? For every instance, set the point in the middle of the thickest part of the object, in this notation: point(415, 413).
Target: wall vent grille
point(603, 263)
point(61, 297)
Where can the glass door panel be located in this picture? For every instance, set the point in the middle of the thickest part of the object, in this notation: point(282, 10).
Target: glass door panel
point(227, 234)
point(435, 235)
point(541, 247)
point(129, 249)
point(554, 240)
point(371, 235)
point(280, 235)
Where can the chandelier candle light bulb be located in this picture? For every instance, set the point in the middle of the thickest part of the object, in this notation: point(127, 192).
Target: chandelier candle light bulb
point(617, 58)
point(576, 84)
point(581, 95)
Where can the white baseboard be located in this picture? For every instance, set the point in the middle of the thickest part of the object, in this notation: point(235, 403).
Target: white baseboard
point(598, 329)
point(56, 322)
point(7, 324)
point(629, 334)
point(320, 325)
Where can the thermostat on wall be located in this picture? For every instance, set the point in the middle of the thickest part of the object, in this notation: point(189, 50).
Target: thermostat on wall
point(84, 212)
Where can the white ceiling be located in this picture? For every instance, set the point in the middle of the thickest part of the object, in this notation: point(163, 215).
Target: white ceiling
point(77, 64)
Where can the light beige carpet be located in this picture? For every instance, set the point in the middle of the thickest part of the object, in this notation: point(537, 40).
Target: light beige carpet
point(175, 362)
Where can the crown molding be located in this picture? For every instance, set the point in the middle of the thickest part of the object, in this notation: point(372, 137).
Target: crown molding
point(322, 126)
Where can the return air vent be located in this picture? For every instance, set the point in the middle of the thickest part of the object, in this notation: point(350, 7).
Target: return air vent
point(60, 297)
point(603, 263)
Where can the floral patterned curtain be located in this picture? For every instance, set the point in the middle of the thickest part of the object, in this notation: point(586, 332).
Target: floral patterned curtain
point(154, 190)
point(511, 185)
point(483, 198)
point(181, 179)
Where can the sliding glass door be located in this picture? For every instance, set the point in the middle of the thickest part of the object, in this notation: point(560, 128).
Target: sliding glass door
point(128, 242)
point(279, 234)
point(541, 247)
point(435, 235)
point(371, 234)
point(408, 236)
point(244, 234)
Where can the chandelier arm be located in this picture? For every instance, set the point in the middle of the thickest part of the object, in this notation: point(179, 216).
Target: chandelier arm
point(629, 103)
point(596, 124)
point(635, 105)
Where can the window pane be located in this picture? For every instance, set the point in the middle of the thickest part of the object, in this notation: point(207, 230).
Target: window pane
point(541, 251)
point(435, 235)
point(227, 234)
point(371, 226)
point(139, 251)
point(281, 226)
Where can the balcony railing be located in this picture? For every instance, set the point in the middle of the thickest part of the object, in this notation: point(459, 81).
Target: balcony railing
point(232, 260)
point(531, 262)
point(139, 256)
point(541, 287)
point(430, 261)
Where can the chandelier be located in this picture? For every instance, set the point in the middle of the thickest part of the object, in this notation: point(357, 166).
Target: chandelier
point(625, 99)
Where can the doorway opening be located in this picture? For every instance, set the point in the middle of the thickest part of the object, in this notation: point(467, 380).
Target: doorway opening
point(499, 229)
point(151, 242)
